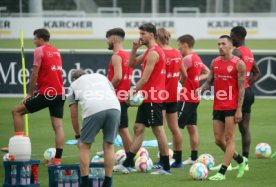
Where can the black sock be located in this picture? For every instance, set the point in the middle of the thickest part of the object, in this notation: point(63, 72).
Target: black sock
point(177, 155)
point(161, 160)
point(107, 182)
point(238, 159)
point(129, 162)
point(245, 154)
point(194, 155)
point(223, 169)
point(84, 181)
point(58, 153)
point(166, 162)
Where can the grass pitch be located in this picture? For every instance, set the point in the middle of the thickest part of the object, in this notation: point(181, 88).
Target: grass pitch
point(262, 171)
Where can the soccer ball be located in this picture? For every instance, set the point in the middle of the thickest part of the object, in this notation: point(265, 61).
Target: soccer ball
point(198, 171)
point(142, 152)
point(49, 154)
point(137, 99)
point(207, 160)
point(97, 159)
point(143, 164)
point(150, 166)
point(8, 157)
point(120, 156)
point(263, 150)
point(170, 154)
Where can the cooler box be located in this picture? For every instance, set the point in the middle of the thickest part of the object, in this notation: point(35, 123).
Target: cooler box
point(21, 173)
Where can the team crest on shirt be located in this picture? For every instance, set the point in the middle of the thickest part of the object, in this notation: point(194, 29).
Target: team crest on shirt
point(229, 68)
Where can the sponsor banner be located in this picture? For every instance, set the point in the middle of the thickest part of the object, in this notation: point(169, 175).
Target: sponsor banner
point(95, 28)
point(11, 70)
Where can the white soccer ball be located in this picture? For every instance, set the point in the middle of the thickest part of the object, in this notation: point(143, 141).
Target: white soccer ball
point(170, 154)
point(263, 150)
point(97, 159)
point(143, 164)
point(137, 99)
point(142, 152)
point(49, 154)
point(120, 156)
point(207, 160)
point(198, 171)
point(150, 166)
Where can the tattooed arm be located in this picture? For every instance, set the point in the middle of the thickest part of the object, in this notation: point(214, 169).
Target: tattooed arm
point(241, 71)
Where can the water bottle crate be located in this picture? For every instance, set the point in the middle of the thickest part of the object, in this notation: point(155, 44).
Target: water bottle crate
point(21, 173)
point(68, 175)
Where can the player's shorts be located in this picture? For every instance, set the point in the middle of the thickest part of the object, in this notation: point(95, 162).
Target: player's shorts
point(249, 99)
point(54, 103)
point(124, 115)
point(170, 107)
point(187, 113)
point(150, 114)
point(222, 114)
point(107, 120)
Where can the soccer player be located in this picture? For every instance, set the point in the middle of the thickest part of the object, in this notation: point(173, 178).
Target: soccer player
point(119, 74)
point(188, 103)
point(47, 76)
point(173, 69)
point(228, 75)
point(100, 111)
point(152, 84)
point(238, 35)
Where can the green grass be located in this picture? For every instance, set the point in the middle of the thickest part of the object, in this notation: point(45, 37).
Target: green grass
point(101, 44)
point(262, 171)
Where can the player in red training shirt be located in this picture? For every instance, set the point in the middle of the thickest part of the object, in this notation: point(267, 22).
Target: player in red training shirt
point(238, 35)
point(188, 101)
point(152, 85)
point(174, 68)
point(119, 74)
point(47, 76)
point(228, 76)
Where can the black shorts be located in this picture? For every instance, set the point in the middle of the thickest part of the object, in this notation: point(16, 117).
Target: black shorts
point(170, 107)
point(54, 103)
point(222, 114)
point(249, 99)
point(124, 115)
point(150, 114)
point(187, 113)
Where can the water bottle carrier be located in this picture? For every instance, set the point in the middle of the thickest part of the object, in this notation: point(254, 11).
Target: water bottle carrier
point(20, 173)
point(69, 175)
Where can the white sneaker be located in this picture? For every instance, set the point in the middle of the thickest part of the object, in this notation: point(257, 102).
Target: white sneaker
point(120, 168)
point(161, 172)
point(172, 161)
point(189, 161)
point(216, 168)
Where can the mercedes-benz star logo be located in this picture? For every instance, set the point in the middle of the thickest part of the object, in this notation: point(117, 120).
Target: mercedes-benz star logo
point(268, 74)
